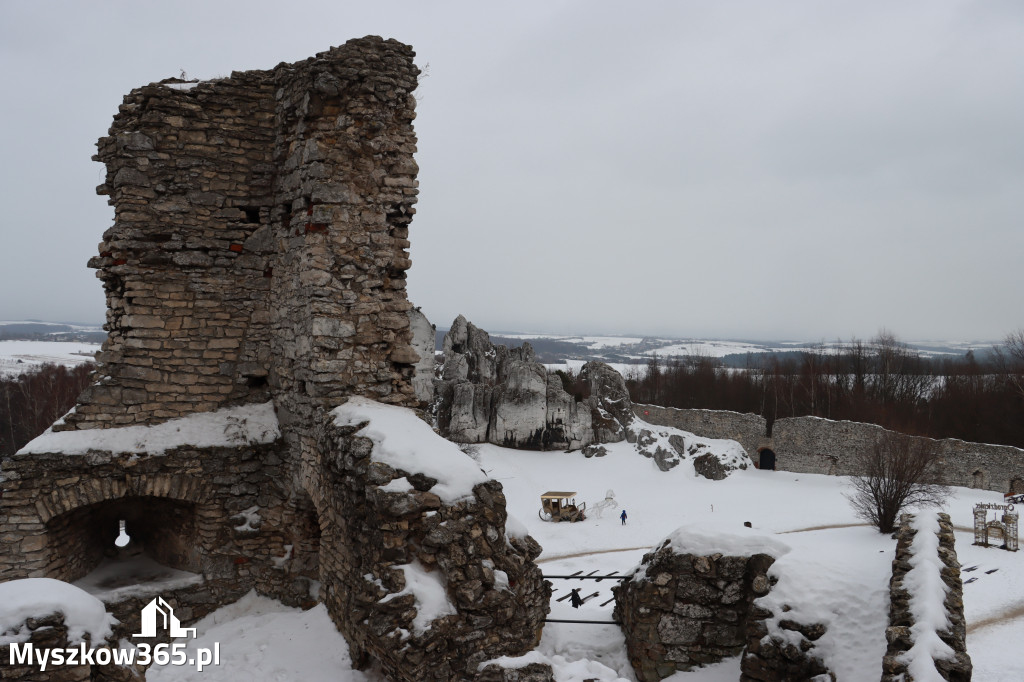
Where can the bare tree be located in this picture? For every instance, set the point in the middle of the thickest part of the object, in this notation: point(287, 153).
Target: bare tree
point(898, 472)
point(1010, 359)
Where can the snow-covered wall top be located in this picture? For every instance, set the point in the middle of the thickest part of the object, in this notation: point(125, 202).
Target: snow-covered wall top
point(927, 632)
point(229, 427)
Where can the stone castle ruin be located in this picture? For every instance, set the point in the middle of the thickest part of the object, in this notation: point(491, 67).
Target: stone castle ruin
point(255, 281)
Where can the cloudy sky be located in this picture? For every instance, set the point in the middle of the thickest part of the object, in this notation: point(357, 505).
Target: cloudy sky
point(765, 170)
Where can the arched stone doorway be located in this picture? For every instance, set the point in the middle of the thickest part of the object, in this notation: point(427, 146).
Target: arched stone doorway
point(766, 459)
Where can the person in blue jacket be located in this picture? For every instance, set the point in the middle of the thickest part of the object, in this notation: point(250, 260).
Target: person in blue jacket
point(623, 517)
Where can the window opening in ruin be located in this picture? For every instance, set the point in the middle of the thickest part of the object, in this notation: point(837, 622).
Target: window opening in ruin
point(979, 479)
point(122, 537)
point(255, 381)
point(766, 460)
point(252, 214)
point(132, 540)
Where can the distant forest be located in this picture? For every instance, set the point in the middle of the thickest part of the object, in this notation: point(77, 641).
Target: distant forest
point(881, 381)
point(31, 402)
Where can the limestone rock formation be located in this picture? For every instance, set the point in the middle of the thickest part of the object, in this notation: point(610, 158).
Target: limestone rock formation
point(423, 339)
point(494, 394)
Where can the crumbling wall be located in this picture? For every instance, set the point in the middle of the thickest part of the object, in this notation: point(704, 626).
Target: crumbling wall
point(683, 609)
point(822, 446)
point(257, 262)
point(387, 531)
point(925, 546)
point(260, 240)
point(746, 429)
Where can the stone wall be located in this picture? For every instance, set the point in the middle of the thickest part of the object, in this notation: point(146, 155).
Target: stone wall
point(746, 429)
point(260, 239)
point(372, 529)
point(181, 508)
point(683, 610)
point(822, 446)
point(912, 651)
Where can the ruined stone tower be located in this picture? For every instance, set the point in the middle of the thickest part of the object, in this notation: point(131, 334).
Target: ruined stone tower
point(255, 281)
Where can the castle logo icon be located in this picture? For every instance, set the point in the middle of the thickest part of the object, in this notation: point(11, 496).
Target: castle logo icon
point(159, 610)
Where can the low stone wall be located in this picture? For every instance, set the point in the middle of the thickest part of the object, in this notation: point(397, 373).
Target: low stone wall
point(682, 610)
point(911, 647)
point(821, 446)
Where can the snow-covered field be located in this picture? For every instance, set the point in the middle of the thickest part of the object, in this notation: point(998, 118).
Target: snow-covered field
point(18, 357)
point(837, 571)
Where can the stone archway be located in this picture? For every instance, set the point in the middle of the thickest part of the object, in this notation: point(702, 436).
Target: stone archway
point(161, 529)
point(766, 459)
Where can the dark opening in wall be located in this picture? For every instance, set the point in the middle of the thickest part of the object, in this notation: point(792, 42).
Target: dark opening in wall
point(766, 459)
point(252, 214)
point(255, 381)
point(305, 539)
point(162, 529)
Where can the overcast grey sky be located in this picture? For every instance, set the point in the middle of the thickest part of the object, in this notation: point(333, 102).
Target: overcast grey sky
point(758, 169)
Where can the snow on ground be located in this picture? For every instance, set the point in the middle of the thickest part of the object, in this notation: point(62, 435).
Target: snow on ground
point(836, 571)
point(231, 426)
point(261, 639)
point(18, 357)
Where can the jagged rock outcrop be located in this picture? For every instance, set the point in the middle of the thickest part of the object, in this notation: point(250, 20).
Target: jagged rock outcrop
point(501, 395)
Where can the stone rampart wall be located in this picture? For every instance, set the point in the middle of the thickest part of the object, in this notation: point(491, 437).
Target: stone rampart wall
point(822, 446)
point(912, 649)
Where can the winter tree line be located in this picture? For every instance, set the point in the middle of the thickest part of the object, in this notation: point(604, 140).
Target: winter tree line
point(881, 381)
point(31, 402)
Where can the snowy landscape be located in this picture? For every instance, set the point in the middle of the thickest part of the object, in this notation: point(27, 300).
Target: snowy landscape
point(833, 569)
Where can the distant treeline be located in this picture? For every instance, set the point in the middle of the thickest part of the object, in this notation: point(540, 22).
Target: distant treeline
point(881, 381)
point(31, 402)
